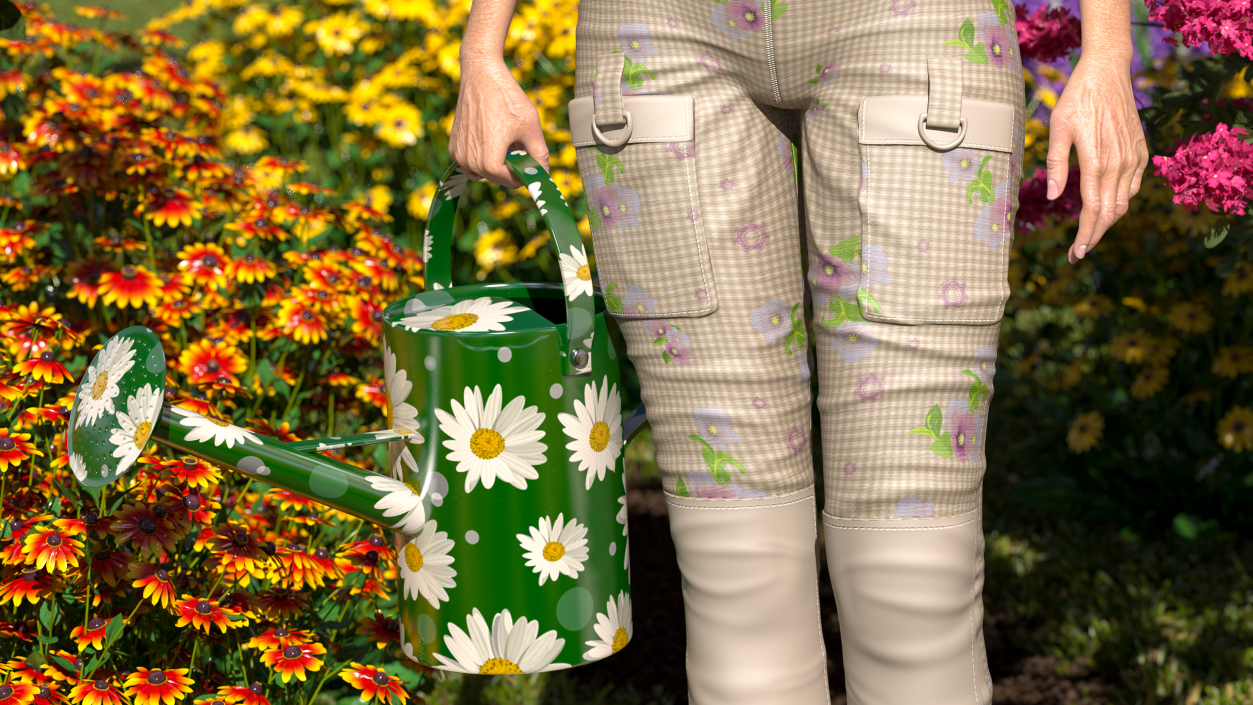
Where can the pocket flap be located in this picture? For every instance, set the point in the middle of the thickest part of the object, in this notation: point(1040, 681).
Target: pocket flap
point(654, 118)
point(893, 119)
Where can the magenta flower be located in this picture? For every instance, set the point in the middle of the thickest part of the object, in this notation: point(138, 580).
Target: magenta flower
point(849, 468)
point(617, 206)
point(964, 429)
point(869, 388)
point(901, 8)
point(796, 440)
point(701, 293)
point(830, 71)
point(727, 184)
point(712, 64)
point(759, 403)
point(830, 276)
point(679, 347)
point(1033, 205)
point(953, 293)
point(1227, 25)
point(752, 236)
point(1215, 169)
point(656, 327)
point(682, 150)
point(997, 41)
point(1048, 33)
point(737, 18)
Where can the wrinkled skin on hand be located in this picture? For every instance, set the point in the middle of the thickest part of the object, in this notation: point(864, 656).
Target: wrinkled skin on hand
point(493, 117)
point(1097, 115)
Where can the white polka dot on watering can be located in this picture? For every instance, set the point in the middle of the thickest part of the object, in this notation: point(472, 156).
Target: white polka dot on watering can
point(429, 362)
point(437, 499)
point(555, 391)
point(529, 170)
point(472, 537)
point(504, 354)
point(613, 548)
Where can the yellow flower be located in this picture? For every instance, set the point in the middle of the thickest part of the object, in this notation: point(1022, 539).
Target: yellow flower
point(249, 139)
point(419, 202)
point(1190, 318)
point(401, 125)
point(237, 114)
point(1159, 350)
point(1094, 306)
point(208, 56)
point(338, 33)
point(1240, 281)
point(568, 182)
point(1150, 381)
point(283, 21)
point(1233, 360)
point(1085, 432)
point(494, 248)
point(1072, 374)
point(450, 60)
point(1131, 347)
point(1235, 430)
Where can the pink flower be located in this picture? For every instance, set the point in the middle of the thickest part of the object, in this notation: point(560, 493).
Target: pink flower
point(1215, 169)
point(1034, 206)
point(1046, 34)
point(869, 388)
point(850, 467)
point(752, 236)
point(1226, 24)
point(953, 293)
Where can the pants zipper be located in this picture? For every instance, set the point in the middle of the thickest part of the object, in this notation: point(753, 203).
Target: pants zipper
point(774, 73)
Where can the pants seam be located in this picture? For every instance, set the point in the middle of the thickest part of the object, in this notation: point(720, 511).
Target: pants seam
point(733, 505)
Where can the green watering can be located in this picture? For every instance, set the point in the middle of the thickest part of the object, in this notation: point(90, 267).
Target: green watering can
point(506, 484)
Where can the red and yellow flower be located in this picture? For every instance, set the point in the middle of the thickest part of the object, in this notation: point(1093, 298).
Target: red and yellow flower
point(132, 286)
point(279, 638)
point(52, 549)
point(374, 683)
point(253, 694)
point(205, 264)
point(205, 614)
point(18, 693)
point(30, 584)
point(92, 634)
point(382, 630)
point(45, 368)
point(294, 660)
point(206, 360)
point(158, 587)
point(100, 691)
point(144, 528)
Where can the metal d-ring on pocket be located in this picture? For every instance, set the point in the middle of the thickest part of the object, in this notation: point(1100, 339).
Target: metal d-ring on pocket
point(622, 137)
point(922, 132)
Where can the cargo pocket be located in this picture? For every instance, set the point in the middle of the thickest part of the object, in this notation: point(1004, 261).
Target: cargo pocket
point(637, 158)
point(937, 205)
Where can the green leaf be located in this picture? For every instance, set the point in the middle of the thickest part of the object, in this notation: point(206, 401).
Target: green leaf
point(1004, 14)
point(794, 338)
point(659, 341)
point(12, 25)
point(709, 455)
point(812, 80)
point(613, 302)
point(593, 217)
point(1217, 234)
point(967, 33)
point(956, 43)
point(62, 662)
point(935, 419)
point(113, 630)
point(1227, 264)
point(942, 447)
point(45, 615)
point(35, 660)
point(847, 249)
point(922, 431)
point(776, 10)
point(265, 371)
point(977, 55)
point(48, 640)
point(681, 488)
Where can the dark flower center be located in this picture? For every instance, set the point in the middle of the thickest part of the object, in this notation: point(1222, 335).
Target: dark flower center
point(280, 632)
point(242, 537)
point(91, 518)
point(156, 677)
point(379, 678)
point(163, 575)
point(5, 692)
point(291, 652)
point(95, 624)
point(306, 315)
point(128, 272)
point(100, 685)
point(377, 541)
point(6, 443)
point(147, 525)
point(160, 511)
point(391, 625)
point(203, 607)
point(54, 540)
point(213, 365)
point(270, 548)
point(191, 502)
point(372, 556)
point(256, 688)
point(224, 381)
point(209, 261)
point(321, 553)
point(47, 356)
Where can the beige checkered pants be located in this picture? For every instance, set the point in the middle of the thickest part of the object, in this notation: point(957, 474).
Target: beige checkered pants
point(712, 251)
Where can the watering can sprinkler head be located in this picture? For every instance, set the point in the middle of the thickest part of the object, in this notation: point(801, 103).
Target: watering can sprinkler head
point(120, 407)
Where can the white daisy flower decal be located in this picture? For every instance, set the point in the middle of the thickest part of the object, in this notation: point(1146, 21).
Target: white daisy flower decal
point(207, 428)
point(555, 548)
point(426, 566)
point(596, 429)
point(428, 243)
point(402, 416)
point(508, 647)
point(402, 500)
point(488, 442)
point(613, 627)
point(468, 316)
point(622, 519)
point(135, 424)
point(79, 466)
point(454, 185)
point(576, 273)
point(99, 387)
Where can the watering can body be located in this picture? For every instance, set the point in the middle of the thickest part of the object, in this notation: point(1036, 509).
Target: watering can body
point(506, 483)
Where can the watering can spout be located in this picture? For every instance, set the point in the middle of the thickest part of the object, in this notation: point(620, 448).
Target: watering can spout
point(129, 373)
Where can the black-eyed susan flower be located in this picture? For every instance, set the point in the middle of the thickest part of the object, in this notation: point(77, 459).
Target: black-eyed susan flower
point(205, 264)
point(294, 660)
point(100, 691)
point(18, 693)
point(303, 322)
point(279, 638)
point(1235, 429)
point(250, 269)
point(15, 448)
point(132, 286)
point(84, 279)
point(92, 634)
point(52, 549)
point(280, 603)
point(1149, 381)
point(142, 526)
point(158, 587)
point(46, 367)
point(110, 566)
point(16, 239)
point(1131, 347)
point(206, 360)
point(252, 694)
point(380, 629)
point(30, 584)
point(204, 614)
point(374, 683)
point(1233, 360)
point(1085, 431)
point(235, 546)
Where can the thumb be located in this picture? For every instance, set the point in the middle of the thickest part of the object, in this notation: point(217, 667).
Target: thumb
point(534, 144)
point(1058, 160)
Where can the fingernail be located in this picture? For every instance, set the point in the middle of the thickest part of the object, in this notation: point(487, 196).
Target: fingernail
point(1082, 249)
point(1052, 189)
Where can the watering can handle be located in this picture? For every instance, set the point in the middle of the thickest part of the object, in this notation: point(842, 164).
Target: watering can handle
point(437, 247)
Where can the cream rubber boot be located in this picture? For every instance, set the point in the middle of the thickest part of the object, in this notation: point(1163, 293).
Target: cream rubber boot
point(908, 593)
point(750, 597)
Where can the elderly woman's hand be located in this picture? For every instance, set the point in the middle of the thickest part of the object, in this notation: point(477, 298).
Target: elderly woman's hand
point(1097, 115)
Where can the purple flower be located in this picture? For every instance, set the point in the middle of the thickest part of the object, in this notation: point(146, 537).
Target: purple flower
point(849, 468)
point(963, 429)
point(829, 274)
point(901, 8)
point(656, 327)
point(726, 109)
point(885, 68)
point(752, 236)
point(953, 293)
point(702, 484)
point(869, 388)
point(711, 63)
point(693, 216)
point(737, 18)
point(914, 344)
point(727, 184)
point(785, 152)
point(853, 341)
point(814, 111)
point(617, 206)
point(913, 508)
point(679, 347)
point(830, 71)
point(997, 41)
point(682, 150)
point(985, 363)
point(995, 223)
point(636, 41)
point(595, 92)
point(831, 31)
point(772, 320)
point(923, 245)
point(796, 439)
point(873, 265)
point(714, 426)
point(637, 303)
point(962, 164)
point(701, 293)
point(672, 22)
point(759, 403)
